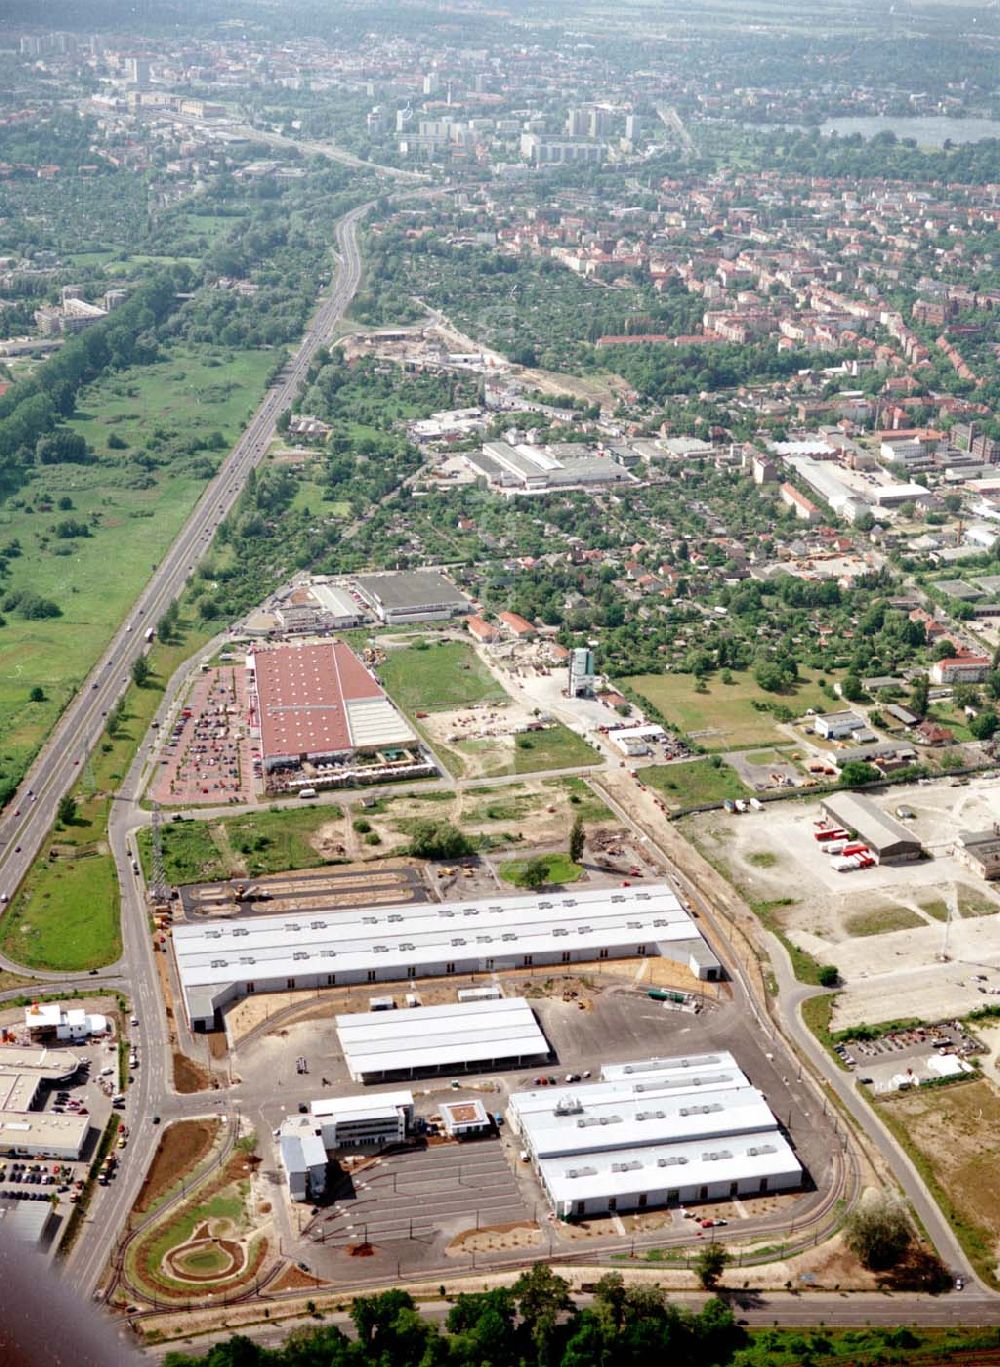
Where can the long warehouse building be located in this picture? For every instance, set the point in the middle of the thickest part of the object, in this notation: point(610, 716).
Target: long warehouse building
point(382, 1046)
point(655, 1133)
point(890, 842)
point(220, 961)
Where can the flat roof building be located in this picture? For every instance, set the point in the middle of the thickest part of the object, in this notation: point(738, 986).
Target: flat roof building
point(890, 842)
point(26, 1222)
point(336, 1124)
point(219, 961)
point(313, 702)
point(42, 1134)
point(52, 1020)
point(524, 468)
point(458, 1037)
point(656, 1132)
point(979, 851)
point(303, 1157)
point(422, 596)
point(463, 1119)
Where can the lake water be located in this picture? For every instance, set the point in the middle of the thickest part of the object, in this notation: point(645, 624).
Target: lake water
point(928, 132)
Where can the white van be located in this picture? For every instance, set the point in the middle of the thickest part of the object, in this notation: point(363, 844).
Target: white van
point(307, 792)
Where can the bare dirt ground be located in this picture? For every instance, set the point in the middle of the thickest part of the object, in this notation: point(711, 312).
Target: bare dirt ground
point(485, 734)
point(957, 1129)
point(183, 1146)
point(921, 937)
point(604, 389)
point(498, 1239)
point(190, 1076)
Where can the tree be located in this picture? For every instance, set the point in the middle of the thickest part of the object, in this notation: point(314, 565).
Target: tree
point(710, 1265)
point(541, 1297)
point(140, 671)
point(856, 773)
point(114, 720)
point(535, 873)
point(37, 694)
point(576, 841)
point(851, 689)
point(771, 676)
point(985, 725)
point(827, 976)
point(878, 1232)
point(66, 811)
point(920, 694)
point(438, 840)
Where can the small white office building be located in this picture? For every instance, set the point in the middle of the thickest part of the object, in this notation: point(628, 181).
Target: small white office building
point(339, 1124)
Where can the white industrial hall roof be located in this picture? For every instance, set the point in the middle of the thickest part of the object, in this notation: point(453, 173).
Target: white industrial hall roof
point(392, 940)
point(651, 1126)
point(429, 1038)
point(620, 1172)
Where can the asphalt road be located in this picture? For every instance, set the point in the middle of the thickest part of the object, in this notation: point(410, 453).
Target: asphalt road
point(57, 767)
point(31, 813)
point(791, 995)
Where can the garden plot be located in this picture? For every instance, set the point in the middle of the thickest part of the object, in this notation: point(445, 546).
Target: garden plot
point(918, 939)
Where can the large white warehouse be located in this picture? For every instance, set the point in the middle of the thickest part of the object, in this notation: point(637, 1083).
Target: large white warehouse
point(659, 1132)
point(220, 961)
point(383, 1045)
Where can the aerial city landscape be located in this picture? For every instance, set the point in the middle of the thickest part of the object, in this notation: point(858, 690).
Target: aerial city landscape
point(500, 682)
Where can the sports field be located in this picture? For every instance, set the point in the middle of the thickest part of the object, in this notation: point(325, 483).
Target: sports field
point(724, 716)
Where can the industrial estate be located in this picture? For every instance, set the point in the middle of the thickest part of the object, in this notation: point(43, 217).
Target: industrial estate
point(500, 705)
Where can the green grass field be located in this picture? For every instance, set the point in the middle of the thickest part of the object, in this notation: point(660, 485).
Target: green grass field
point(253, 844)
point(691, 784)
point(94, 579)
point(882, 920)
point(438, 677)
point(556, 748)
point(724, 717)
point(584, 802)
point(65, 915)
point(559, 869)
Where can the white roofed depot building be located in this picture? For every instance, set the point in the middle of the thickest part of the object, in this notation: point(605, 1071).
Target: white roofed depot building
point(380, 1046)
point(220, 961)
point(657, 1133)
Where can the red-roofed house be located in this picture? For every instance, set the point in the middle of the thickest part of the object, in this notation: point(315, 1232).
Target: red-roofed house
point(483, 631)
point(517, 626)
point(803, 507)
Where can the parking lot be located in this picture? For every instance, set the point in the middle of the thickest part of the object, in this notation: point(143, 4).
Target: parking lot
point(906, 1058)
point(88, 1093)
point(204, 756)
point(432, 1193)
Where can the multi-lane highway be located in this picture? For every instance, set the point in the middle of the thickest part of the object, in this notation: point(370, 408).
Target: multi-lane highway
point(32, 811)
point(152, 1090)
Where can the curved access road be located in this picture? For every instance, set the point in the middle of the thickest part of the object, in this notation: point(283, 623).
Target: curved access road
point(31, 813)
point(791, 994)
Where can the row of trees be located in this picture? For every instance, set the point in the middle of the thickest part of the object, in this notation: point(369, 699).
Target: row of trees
point(532, 1322)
